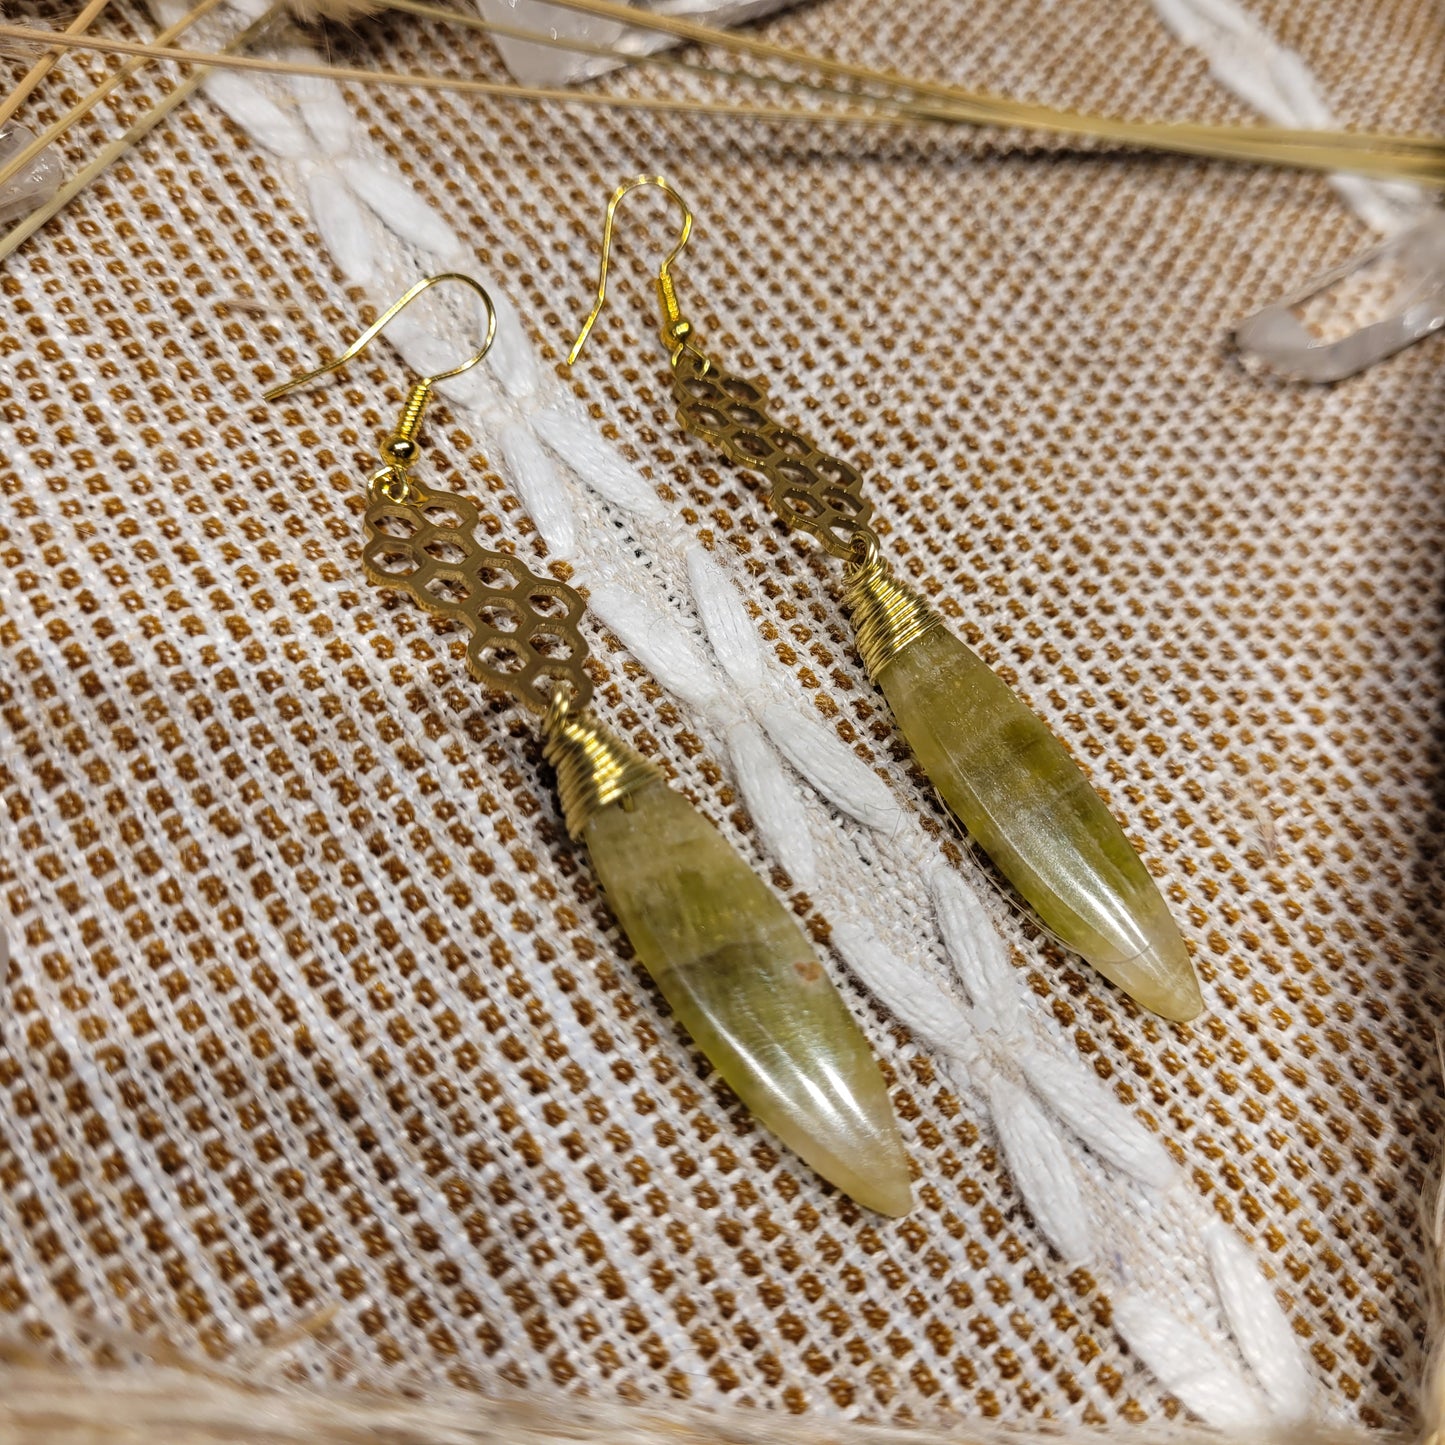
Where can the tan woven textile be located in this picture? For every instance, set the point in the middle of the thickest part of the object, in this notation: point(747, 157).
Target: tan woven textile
point(312, 1013)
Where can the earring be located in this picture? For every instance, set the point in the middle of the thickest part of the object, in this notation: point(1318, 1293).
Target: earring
point(731, 961)
point(1004, 775)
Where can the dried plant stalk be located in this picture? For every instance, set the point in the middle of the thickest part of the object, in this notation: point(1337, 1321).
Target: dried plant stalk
point(221, 60)
point(111, 153)
point(171, 1404)
point(1432, 1387)
point(1420, 161)
point(342, 10)
point(46, 63)
point(988, 109)
point(112, 83)
point(917, 99)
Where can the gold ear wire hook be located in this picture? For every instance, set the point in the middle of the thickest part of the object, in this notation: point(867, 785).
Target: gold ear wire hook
point(675, 330)
point(391, 312)
point(400, 449)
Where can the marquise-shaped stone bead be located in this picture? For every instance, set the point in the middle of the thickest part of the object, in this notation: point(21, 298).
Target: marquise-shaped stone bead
point(743, 980)
point(1025, 802)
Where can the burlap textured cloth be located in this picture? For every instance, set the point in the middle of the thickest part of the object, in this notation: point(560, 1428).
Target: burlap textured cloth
point(314, 1019)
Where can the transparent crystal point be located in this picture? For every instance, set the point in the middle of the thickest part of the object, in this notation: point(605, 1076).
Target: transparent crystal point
point(534, 64)
point(1374, 305)
point(35, 185)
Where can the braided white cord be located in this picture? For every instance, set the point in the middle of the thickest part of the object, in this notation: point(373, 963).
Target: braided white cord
point(1236, 1362)
point(1245, 58)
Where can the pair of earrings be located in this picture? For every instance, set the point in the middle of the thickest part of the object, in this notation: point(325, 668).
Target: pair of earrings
point(731, 961)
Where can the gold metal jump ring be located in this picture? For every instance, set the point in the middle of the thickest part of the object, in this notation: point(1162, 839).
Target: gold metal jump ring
point(865, 556)
point(702, 366)
point(392, 483)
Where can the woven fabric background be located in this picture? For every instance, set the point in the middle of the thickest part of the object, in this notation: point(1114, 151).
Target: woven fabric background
point(314, 1019)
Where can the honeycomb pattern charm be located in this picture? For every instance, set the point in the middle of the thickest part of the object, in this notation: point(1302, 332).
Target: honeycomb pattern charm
point(524, 633)
point(811, 491)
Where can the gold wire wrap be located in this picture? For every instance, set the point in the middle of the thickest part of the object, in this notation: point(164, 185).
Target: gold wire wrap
point(887, 615)
point(594, 766)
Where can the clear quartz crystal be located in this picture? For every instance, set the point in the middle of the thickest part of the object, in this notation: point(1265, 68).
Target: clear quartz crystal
point(544, 65)
point(1371, 307)
point(35, 185)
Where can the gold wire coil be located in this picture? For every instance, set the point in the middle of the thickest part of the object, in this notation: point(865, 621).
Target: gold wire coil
point(887, 615)
point(594, 766)
point(402, 446)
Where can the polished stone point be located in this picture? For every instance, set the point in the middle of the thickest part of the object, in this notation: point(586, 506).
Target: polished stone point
point(743, 980)
point(36, 184)
point(1025, 802)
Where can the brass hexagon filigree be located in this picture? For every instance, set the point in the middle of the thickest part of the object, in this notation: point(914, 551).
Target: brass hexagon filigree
point(811, 491)
point(524, 628)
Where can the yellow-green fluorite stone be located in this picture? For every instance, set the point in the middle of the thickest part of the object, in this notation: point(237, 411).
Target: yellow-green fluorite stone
point(742, 978)
point(1024, 800)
